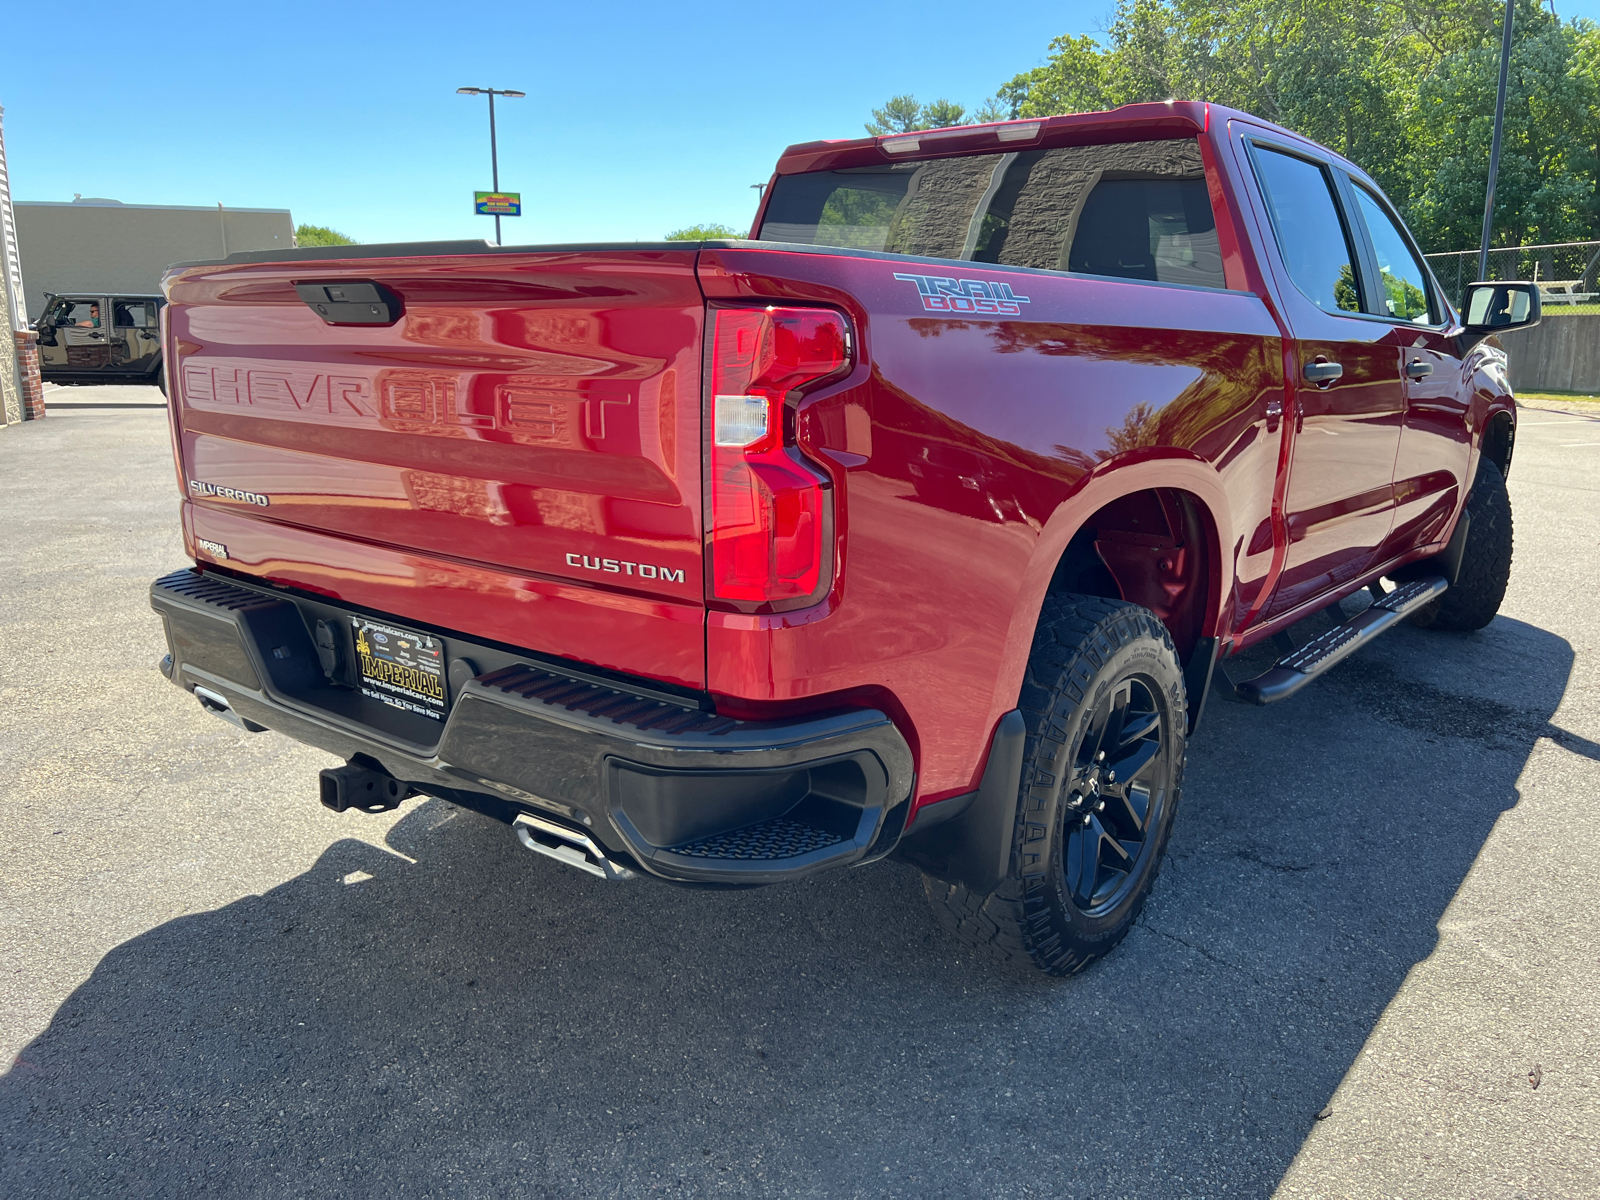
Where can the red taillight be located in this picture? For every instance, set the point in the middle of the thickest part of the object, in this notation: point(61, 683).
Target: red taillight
point(769, 507)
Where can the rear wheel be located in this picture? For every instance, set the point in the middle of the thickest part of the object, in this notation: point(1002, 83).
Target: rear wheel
point(1480, 586)
point(1102, 768)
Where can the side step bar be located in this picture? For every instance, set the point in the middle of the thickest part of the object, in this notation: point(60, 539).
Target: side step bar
point(1298, 668)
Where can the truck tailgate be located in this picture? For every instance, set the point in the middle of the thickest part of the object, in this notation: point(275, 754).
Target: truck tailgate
point(527, 429)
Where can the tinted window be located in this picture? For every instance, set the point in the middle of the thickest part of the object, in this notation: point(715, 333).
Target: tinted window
point(837, 208)
point(1139, 210)
point(1311, 236)
point(1148, 229)
point(1405, 288)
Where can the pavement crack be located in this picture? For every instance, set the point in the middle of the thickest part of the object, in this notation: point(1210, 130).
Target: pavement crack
point(1250, 856)
point(1202, 952)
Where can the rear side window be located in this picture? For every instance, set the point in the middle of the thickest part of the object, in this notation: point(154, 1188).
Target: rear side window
point(1311, 237)
point(1136, 210)
point(135, 314)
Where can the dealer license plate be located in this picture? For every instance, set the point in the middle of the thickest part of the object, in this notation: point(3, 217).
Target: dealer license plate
point(403, 669)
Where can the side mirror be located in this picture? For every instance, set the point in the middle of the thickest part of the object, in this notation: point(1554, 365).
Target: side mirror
point(1492, 308)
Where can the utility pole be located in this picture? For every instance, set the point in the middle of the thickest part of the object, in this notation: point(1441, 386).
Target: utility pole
point(1494, 146)
point(494, 152)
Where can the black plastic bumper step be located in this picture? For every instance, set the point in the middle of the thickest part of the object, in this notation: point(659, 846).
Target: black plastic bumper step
point(1299, 667)
point(769, 841)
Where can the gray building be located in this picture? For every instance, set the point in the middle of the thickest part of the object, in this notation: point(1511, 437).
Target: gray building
point(105, 246)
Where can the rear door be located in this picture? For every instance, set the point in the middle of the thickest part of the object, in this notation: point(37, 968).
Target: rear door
point(527, 425)
point(1349, 402)
point(135, 334)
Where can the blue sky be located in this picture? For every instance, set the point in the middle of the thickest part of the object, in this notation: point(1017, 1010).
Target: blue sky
point(640, 118)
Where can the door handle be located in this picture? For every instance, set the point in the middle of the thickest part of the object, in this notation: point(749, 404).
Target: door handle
point(1323, 373)
point(1418, 369)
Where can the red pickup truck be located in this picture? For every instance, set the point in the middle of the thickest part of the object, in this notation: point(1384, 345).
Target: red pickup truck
point(919, 524)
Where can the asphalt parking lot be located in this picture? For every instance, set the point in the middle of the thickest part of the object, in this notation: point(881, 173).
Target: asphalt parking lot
point(1380, 907)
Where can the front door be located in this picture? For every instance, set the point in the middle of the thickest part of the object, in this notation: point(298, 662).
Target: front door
point(1349, 403)
point(83, 331)
point(1436, 443)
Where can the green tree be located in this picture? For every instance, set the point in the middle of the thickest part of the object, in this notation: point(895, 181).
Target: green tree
point(1546, 188)
point(321, 235)
point(1403, 87)
point(703, 233)
point(1072, 80)
point(902, 114)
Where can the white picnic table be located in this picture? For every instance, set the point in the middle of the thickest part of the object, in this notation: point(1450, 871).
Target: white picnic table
point(1564, 290)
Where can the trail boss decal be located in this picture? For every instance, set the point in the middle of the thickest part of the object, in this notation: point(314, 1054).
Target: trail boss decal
point(977, 296)
point(227, 493)
point(617, 566)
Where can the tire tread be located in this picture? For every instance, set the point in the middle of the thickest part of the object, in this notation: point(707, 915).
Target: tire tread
point(1480, 587)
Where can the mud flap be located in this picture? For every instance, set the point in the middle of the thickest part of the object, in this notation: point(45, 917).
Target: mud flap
point(969, 842)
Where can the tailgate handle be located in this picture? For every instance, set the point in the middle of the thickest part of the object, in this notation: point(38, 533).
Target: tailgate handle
point(351, 302)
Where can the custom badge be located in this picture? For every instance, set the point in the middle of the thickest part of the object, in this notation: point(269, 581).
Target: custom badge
point(976, 296)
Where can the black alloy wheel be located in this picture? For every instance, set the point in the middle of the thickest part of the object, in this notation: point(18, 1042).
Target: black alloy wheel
point(1107, 811)
point(1102, 771)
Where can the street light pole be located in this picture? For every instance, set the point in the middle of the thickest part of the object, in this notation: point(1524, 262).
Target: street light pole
point(494, 165)
point(494, 151)
point(1494, 146)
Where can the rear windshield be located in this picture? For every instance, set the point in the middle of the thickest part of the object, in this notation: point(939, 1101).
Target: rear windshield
point(1135, 210)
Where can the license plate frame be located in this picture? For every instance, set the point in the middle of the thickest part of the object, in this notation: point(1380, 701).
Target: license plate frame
point(401, 668)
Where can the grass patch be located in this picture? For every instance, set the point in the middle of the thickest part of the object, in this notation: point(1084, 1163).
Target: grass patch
point(1564, 397)
point(1559, 308)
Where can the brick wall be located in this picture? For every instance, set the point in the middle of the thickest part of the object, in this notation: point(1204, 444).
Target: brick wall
point(28, 369)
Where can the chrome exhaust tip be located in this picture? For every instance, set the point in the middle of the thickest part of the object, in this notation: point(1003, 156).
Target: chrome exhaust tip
point(217, 704)
point(566, 846)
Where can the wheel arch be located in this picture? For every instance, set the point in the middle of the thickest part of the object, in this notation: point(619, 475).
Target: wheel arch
point(1122, 488)
point(1499, 438)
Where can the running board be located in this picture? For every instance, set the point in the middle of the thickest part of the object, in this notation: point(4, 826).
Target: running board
point(1298, 668)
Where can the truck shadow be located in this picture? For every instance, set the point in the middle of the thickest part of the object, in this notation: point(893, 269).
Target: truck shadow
point(460, 1017)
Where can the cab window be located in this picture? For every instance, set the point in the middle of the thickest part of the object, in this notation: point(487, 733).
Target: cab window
point(1132, 210)
point(66, 311)
point(86, 313)
point(1405, 284)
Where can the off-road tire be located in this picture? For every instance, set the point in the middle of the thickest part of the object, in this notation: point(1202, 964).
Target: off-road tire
point(1086, 650)
point(1475, 597)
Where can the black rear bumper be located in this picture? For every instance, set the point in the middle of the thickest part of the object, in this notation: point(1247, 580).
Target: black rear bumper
point(657, 777)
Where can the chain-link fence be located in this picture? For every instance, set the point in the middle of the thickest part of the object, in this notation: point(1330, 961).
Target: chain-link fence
point(1568, 273)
